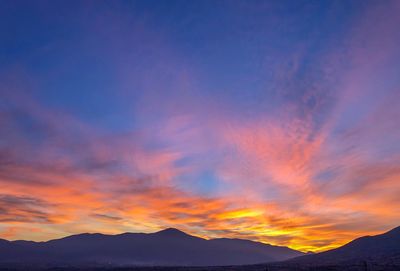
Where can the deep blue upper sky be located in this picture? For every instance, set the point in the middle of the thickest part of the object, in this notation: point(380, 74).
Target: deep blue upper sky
point(76, 50)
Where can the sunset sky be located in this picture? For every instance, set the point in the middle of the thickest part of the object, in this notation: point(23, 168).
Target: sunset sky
point(274, 121)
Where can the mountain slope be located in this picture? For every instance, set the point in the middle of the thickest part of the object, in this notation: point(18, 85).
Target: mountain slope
point(367, 248)
point(167, 247)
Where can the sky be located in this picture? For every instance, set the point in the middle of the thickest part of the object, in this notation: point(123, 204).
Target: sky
point(274, 121)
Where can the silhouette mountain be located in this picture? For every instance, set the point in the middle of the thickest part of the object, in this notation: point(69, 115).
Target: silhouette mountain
point(378, 248)
point(164, 248)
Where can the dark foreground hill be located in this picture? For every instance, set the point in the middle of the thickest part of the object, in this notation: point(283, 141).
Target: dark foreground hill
point(169, 247)
point(364, 248)
point(379, 252)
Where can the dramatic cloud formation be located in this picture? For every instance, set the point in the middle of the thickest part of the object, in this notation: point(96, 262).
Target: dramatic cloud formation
point(232, 119)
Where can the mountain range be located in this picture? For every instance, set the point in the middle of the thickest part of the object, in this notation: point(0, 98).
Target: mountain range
point(169, 247)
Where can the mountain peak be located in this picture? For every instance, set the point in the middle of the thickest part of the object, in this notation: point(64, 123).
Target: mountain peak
point(171, 232)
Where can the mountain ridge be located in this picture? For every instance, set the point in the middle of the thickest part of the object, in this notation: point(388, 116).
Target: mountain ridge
point(166, 247)
point(375, 248)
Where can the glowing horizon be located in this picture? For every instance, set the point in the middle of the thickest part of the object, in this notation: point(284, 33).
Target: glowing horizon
point(266, 121)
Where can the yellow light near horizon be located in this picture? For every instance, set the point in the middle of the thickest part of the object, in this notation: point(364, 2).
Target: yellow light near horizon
point(240, 214)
